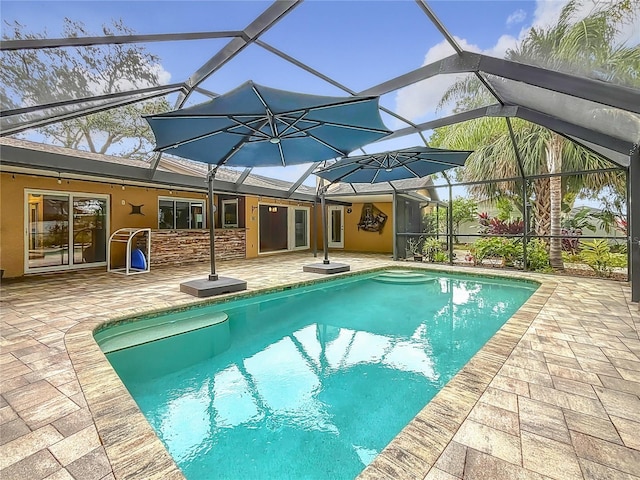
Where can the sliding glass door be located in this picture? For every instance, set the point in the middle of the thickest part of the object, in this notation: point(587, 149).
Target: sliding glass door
point(64, 230)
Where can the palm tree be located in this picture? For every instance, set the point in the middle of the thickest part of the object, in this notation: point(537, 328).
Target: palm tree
point(585, 47)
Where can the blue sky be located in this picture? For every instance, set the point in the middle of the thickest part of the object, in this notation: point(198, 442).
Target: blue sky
point(359, 43)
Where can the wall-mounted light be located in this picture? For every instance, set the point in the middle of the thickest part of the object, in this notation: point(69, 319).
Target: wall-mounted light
point(253, 208)
point(349, 210)
point(273, 209)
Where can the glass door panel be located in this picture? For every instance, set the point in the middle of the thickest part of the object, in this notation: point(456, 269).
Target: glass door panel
point(197, 215)
point(89, 230)
point(48, 230)
point(300, 229)
point(182, 214)
point(336, 227)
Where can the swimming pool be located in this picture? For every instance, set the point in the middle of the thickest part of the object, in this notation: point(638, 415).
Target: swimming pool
point(310, 382)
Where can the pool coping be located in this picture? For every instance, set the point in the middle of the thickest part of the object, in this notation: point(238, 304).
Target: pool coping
point(135, 451)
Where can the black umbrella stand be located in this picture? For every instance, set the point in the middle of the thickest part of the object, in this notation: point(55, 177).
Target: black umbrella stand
point(325, 267)
point(214, 284)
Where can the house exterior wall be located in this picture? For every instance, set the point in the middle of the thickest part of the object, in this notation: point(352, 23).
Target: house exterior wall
point(358, 240)
point(251, 225)
point(13, 227)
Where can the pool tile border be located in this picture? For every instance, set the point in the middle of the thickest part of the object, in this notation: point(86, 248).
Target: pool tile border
point(135, 451)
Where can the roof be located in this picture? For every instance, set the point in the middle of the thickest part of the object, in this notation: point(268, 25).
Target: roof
point(171, 165)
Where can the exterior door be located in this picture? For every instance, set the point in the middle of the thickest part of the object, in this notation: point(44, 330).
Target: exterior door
point(64, 230)
point(335, 216)
point(299, 228)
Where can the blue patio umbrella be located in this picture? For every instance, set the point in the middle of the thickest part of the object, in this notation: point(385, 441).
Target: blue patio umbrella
point(407, 163)
point(256, 126)
point(413, 162)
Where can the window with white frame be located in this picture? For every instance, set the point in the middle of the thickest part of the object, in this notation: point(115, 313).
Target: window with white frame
point(230, 213)
point(180, 213)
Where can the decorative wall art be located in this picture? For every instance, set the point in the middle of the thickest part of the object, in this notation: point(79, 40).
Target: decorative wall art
point(136, 209)
point(372, 219)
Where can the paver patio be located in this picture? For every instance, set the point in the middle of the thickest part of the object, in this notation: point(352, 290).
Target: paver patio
point(554, 395)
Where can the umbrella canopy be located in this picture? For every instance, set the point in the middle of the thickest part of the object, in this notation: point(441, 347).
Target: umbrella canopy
point(256, 126)
point(413, 162)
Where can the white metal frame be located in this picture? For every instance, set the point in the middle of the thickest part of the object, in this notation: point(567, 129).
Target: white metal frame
point(292, 227)
point(127, 235)
point(224, 204)
point(26, 217)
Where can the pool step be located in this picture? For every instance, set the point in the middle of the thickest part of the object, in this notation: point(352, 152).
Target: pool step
point(133, 334)
point(404, 277)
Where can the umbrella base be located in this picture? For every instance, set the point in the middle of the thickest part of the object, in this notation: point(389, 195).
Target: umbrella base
point(208, 288)
point(327, 268)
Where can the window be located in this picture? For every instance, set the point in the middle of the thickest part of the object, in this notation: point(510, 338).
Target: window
point(180, 213)
point(230, 213)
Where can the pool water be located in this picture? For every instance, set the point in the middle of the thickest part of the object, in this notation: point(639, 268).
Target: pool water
point(313, 382)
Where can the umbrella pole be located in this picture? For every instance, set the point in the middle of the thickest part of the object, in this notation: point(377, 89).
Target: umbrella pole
point(213, 276)
point(325, 235)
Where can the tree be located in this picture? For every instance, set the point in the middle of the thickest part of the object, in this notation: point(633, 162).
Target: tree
point(463, 210)
point(43, 76)
point(585, 46)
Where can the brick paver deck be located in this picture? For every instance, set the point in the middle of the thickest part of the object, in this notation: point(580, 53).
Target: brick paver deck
point(555, 394)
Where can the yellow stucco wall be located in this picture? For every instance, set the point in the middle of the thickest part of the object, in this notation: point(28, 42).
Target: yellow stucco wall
point(360, 240)
point(251, 224)
point(12, 209)
point(363, 241)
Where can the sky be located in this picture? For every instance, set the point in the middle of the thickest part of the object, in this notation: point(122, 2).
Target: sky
point(358, 43)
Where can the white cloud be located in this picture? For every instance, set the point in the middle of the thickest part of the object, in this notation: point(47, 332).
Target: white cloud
point(418, 102)
point(518, 16)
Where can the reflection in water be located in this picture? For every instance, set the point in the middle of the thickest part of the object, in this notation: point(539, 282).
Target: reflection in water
point(314, 385)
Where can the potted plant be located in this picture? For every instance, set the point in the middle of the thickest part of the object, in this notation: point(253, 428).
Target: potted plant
point(414, 248)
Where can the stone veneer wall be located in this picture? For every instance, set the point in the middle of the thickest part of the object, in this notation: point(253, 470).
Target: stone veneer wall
point(174, 247)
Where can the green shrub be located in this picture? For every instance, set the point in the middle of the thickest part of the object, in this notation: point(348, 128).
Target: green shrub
point(619, 248)
point(619, 260)
point(571, 257)
point(597, 254)
point(538, 256)
point(441, 257)
point(432, 248)
point(509, 250)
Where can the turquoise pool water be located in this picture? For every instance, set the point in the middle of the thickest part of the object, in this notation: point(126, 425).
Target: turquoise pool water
point(313, 382)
